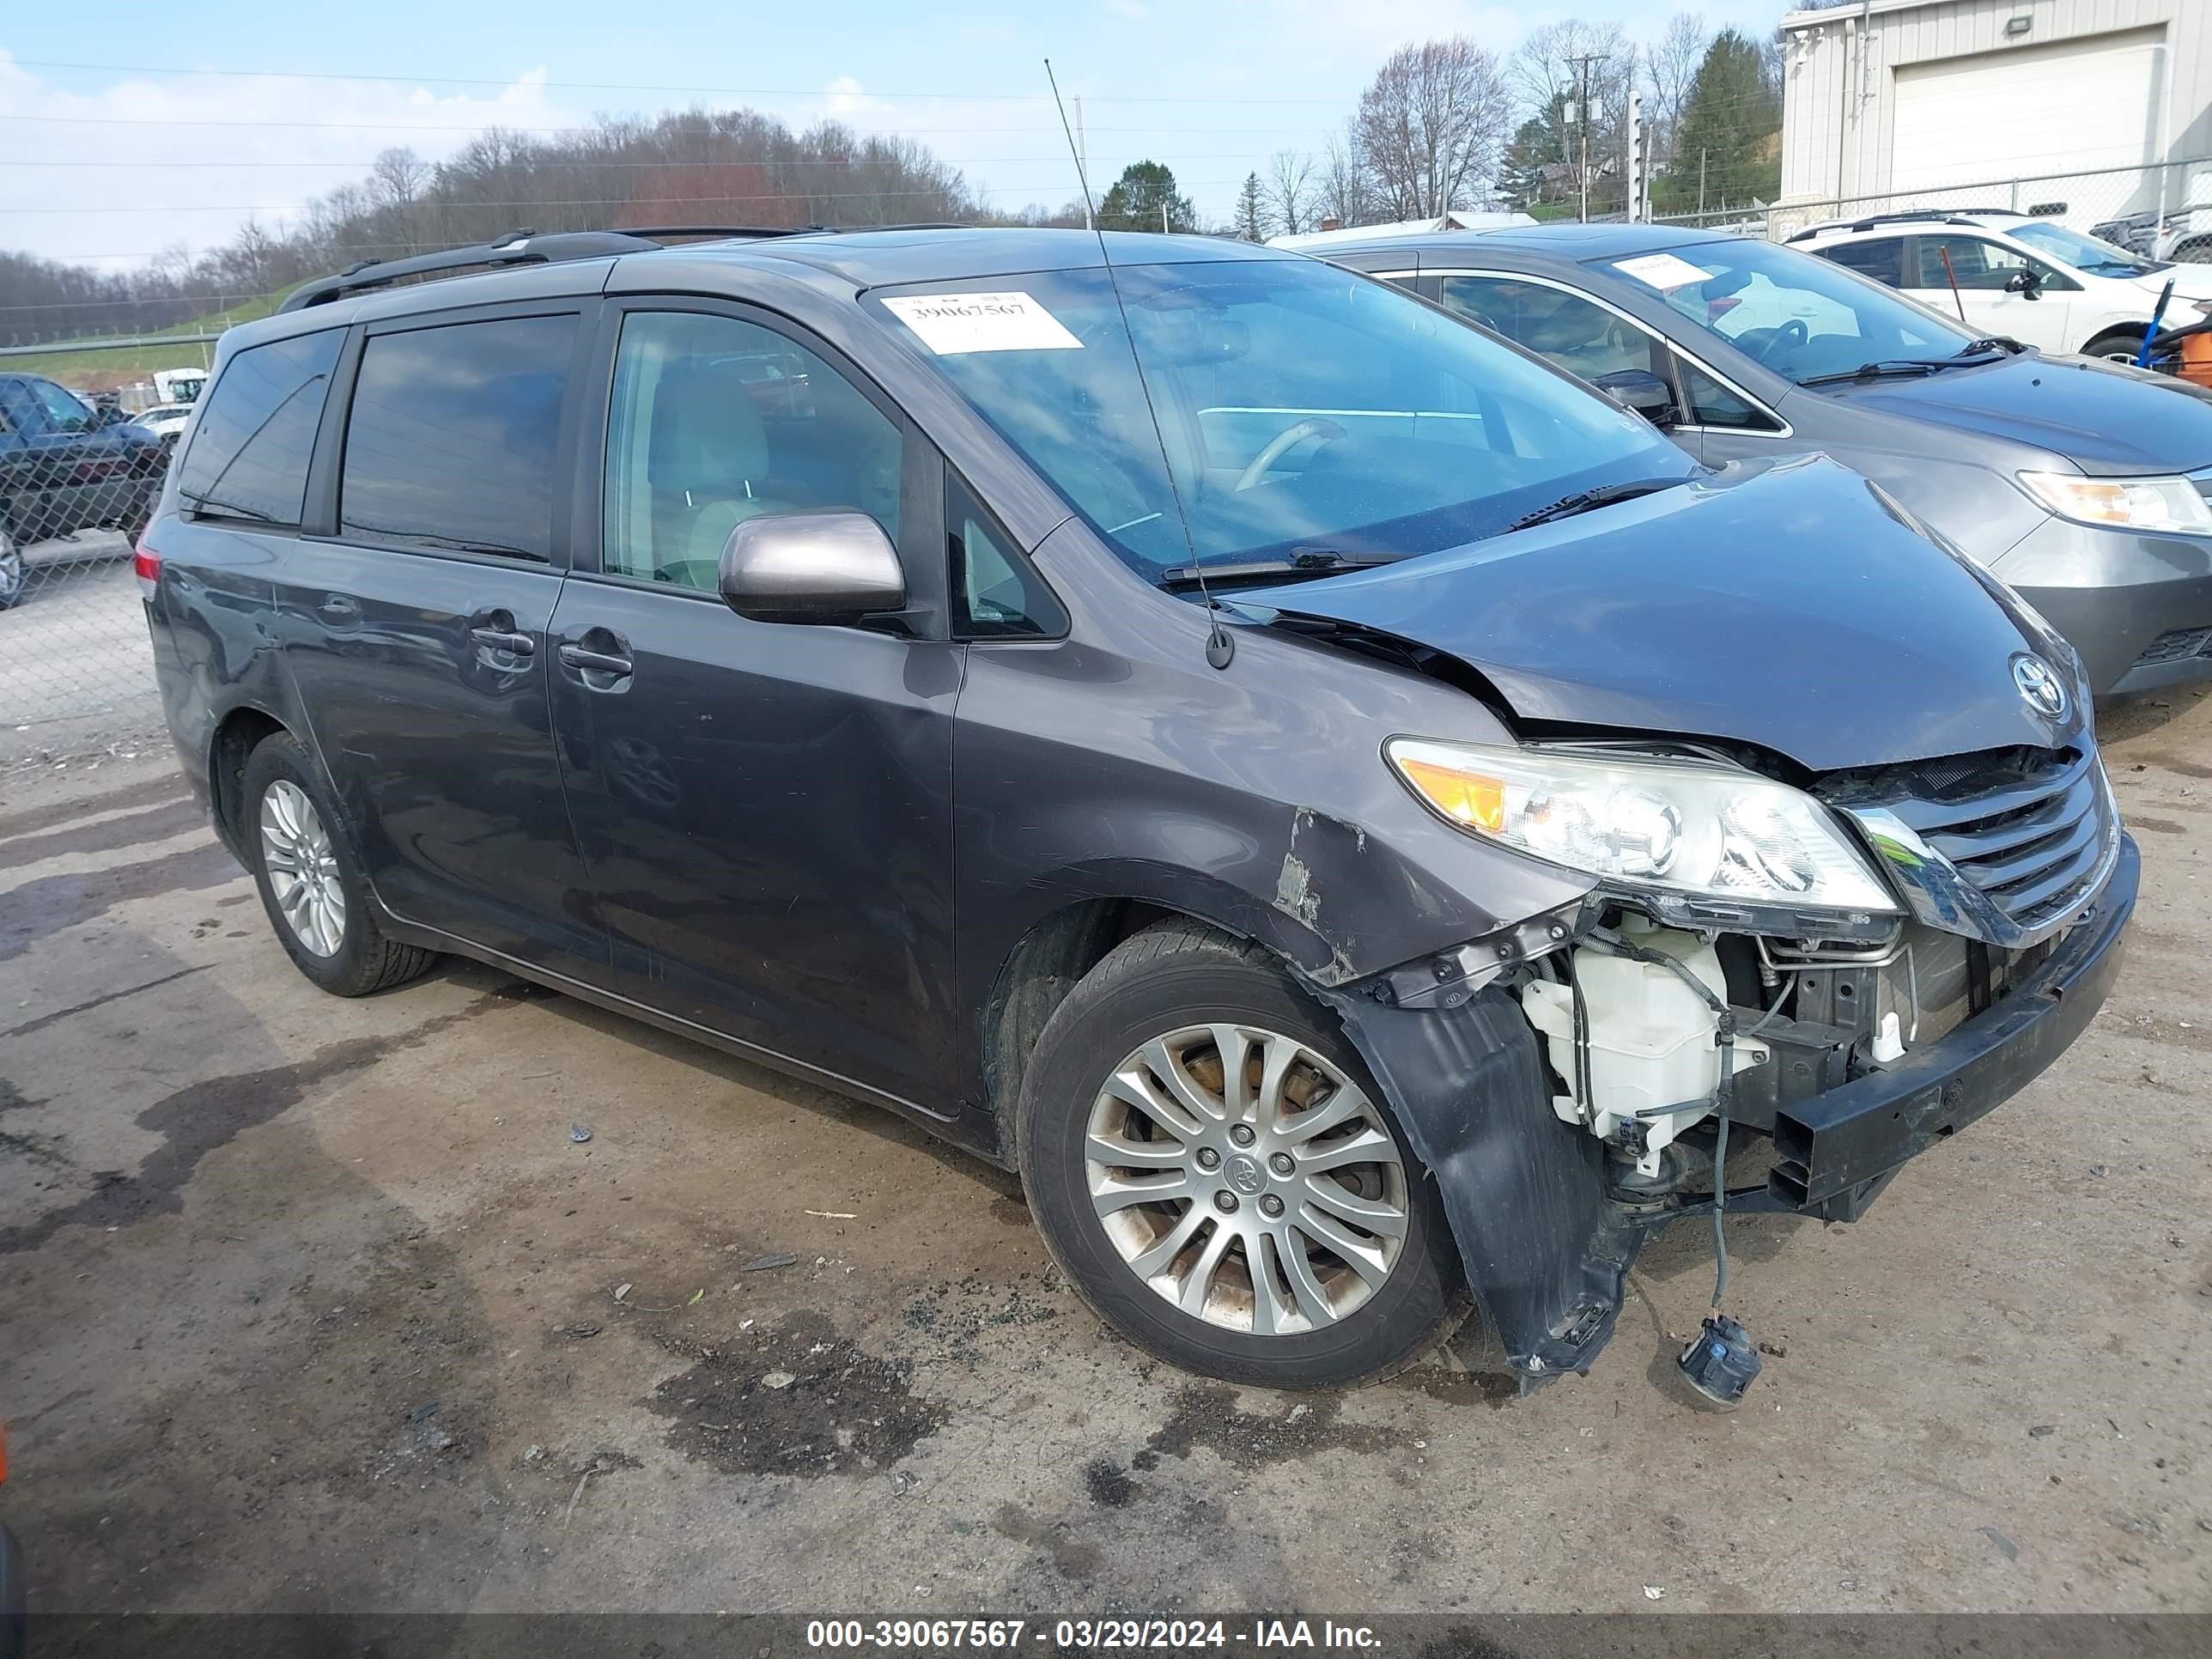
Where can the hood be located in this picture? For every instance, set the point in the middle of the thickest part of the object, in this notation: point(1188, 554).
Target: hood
point(1776, 602)
point(2105, 418)
point(2191, 281)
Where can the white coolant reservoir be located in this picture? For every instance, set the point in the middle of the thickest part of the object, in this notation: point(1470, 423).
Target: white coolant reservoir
point(1651, 1036)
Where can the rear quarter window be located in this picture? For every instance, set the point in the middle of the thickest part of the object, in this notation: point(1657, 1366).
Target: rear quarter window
point(1878, 259)
point(248, 458)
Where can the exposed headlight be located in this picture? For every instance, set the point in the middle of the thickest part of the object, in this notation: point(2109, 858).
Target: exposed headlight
point(2165, 504)
point(1676, 826)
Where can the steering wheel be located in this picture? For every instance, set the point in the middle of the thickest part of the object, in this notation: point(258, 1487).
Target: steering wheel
point(1284, 441)
point(1791, 333)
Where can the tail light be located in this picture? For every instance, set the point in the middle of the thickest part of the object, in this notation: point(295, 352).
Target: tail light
point(147, 564)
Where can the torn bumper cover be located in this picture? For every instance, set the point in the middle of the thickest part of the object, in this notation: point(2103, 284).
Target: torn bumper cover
point(1547, 1252)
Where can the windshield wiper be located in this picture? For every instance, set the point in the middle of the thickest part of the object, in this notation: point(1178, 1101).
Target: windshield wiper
point(1587, 501)
point(1882, 367)
point(1303, 561)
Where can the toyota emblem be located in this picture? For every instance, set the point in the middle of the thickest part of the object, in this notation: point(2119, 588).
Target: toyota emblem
point(2038, 687)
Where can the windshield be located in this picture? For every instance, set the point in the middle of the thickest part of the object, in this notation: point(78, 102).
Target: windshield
point(1303, 410)
point(1801, 316)
point(2071, 248)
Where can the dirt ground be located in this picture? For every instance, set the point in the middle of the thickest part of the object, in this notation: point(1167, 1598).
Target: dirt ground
point(312, 1304)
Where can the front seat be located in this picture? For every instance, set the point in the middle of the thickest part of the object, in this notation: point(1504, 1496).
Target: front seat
point(707, 460)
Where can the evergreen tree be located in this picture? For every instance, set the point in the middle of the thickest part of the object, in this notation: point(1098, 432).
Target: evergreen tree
point(1540, 142)
point(1730, 130)
point(1251, 217)
point(1139, 198)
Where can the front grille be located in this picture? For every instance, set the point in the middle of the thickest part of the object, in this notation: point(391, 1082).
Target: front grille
point(2002, 846)
point(2176, 645)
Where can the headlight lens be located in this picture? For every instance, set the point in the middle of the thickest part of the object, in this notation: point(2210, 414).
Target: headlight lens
point(2166, 504)
point(1676, 825)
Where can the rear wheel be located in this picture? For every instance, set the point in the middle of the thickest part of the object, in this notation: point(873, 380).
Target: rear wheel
point(310, 879)
point(1214, 1169)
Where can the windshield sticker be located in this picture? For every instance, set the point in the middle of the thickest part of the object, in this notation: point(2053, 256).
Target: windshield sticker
point(952, 323)
point(1662, 271)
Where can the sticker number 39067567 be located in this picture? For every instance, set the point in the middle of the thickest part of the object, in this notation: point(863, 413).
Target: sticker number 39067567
point(1011, 322)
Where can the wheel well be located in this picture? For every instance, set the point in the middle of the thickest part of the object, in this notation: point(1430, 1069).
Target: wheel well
point(1040, 971)
point(2119, 331)
point(242, 732)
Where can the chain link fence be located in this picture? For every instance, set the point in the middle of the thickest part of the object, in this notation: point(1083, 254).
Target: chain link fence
point(78, 477)
point(2162, 212)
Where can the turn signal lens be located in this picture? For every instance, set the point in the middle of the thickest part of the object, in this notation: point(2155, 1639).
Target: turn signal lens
point(1465, 798)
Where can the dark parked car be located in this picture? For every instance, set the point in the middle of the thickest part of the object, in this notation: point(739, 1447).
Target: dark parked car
point(2085, 485)
point(1352, 816)
point(65, 466)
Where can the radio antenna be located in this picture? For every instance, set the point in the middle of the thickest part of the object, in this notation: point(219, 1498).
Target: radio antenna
point(1220, 648)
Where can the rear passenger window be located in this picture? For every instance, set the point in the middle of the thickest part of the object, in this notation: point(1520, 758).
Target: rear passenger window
point(451, 442)
point(716, 420)
point(248, 458)
point(1878, 259)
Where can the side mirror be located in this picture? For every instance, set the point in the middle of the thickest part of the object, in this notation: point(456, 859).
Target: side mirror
point(1641, 393)
point(2024, 281)
point(828, 566)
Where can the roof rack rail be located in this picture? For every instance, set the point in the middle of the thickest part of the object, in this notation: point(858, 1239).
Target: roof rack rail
point(1951, 216)
point(527, 246)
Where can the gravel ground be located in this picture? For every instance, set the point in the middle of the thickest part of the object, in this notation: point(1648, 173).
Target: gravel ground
point(312, 1304)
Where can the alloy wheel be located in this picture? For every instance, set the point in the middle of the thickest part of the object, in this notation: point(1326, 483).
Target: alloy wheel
point(12, 574)
point(303, 868)
point(1242, 1176)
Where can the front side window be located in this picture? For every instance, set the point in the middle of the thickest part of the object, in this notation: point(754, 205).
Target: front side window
point(1980, 266)
point(995, 595)
point(1579, 334)
point(1283, 407)
point(716, 420)
point(451, 443)
point(1713, 404)
point(1800, 315)
point(249, 457)
point(64, 412)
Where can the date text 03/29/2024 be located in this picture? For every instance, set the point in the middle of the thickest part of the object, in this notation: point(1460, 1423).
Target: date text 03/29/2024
point(1128, 1634)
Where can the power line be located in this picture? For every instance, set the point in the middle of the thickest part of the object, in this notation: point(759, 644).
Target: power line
point(644, 86)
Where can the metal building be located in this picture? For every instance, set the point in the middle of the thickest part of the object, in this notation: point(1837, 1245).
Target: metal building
point(1903, 97)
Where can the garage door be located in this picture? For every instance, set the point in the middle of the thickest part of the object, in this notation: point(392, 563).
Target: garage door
point(2066, 108)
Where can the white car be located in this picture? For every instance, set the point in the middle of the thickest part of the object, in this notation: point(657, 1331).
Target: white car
point(2032, 280)
point(165, 421)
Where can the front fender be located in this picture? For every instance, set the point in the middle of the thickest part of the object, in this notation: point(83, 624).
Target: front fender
point(1546, 1254)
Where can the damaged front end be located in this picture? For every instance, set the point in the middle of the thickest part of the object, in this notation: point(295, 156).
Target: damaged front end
point(1573, 1080)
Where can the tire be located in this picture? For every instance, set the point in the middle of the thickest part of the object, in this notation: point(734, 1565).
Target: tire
point(2115, 345)
point(1333, 1325)
point(14, 578)
point(290, 829)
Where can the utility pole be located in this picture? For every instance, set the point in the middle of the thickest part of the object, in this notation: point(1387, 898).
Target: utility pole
point(1702, 153)
point(1635, 180)
point(1582, 122)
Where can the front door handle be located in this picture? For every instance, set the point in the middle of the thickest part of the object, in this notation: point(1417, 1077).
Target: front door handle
point(587, 660)
point(498, 639)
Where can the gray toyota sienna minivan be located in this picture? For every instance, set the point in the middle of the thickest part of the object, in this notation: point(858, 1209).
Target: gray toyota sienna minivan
point(1356, 819)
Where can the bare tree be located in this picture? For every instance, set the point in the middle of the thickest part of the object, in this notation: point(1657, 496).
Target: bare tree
point(396, 181)
point(1288, 191)
point(1430, 126)
point(1670, 63)
point(1582, 72)
point(1343, 189)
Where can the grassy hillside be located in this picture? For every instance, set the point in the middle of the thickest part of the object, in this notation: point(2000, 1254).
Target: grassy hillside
point(92, 371)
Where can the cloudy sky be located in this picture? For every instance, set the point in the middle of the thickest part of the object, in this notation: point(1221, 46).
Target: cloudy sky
point(129, 129)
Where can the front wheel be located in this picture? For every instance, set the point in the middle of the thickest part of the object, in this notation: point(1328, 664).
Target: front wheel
point(13, 578)
point(1213, 1169)
point(2116, 345)
point(310, 880)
